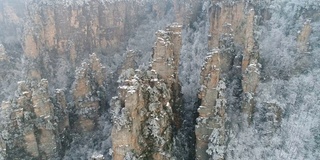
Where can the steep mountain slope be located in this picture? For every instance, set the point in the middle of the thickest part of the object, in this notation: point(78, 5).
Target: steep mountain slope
point(236, 79)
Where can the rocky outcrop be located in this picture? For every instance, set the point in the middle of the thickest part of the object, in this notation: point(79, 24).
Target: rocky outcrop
point(88, 94)
point(166, 58)
point(32, 129)
point(210, 129)
point(102, 25)
point(37, 125)
point(53, 37)
point(249, 85)
point(303, 37)
point(43, 39)
point(166, 53)
point(146, 112)
point(142, 117)
point(228, 18)
point(233, 54)
point(250, 68)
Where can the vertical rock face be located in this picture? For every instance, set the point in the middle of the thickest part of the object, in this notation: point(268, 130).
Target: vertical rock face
point(55, 36)
point(101, 26)
point(37, 125)
point(88, 94)
point(31, 128)
point(142, 117)
point(250, 68)
point(146, 109)
point(210, 129)
point(89, 26)
point(231, 36)
point(249, 84)
point(166, 58)
point(239, 116)
point(44, 113)
point(228, 18)
point(166, 53)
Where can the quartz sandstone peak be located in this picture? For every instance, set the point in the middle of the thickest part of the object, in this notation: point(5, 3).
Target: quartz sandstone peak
point(250, 68)
point(166, 59)
point(142, 117)
point(37, 125)
point(88, 94)
point(232, 25)
point(146, 111)
point(32, 126)
point(210, 129)
point(91, 25)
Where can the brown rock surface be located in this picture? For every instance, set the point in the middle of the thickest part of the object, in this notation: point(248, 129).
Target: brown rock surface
point(166, 58)
point(88, 93)
point(232, 25)
point(142, 117)
point(101, 26)
point(210, 129)
point(53, 37)
point(147, 104)
point(250, 82)
point(250, 68)
point(226, 17)
point(235, 21)
point(32, 126)
point(37, 125)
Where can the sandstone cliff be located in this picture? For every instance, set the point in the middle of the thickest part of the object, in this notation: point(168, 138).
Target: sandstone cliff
point(146, 110)
point(166, 58)
point(37, 125)
point(89, 94)
point(257, 86)
point(210, 126)
point(231, 35)
point(53, 38)
point(142, 118)
point(32, 129)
